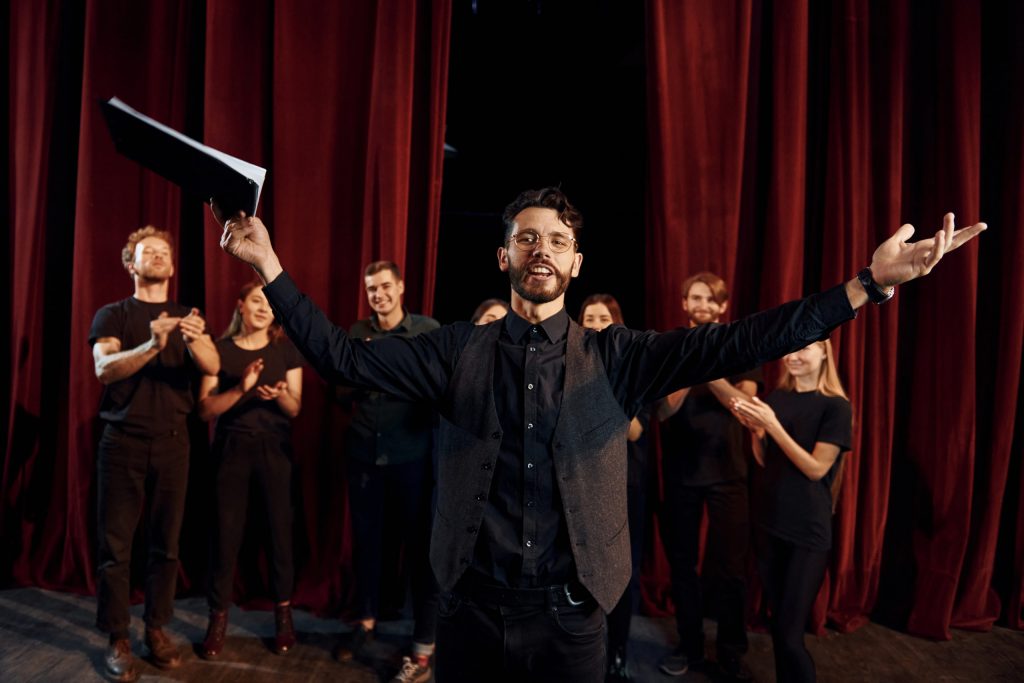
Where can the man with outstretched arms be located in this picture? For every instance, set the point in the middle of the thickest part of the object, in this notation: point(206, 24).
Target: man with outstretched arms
point(530, 543)
point(146, 350)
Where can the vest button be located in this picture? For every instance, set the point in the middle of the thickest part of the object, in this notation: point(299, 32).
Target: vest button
point(496, 435)
point(485, 466)
point(480, 496)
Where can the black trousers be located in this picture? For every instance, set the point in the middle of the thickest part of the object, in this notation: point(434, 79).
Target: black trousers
point(725, 561)
point(621, 616)
point(792, 576)
point(405, 488)
point(138, 476)
point(245, 461)
point(511, 644)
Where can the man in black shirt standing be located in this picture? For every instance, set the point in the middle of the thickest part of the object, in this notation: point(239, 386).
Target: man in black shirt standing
point(144, 348)
point(388, 450)
point(704, 461)
point(530, 539)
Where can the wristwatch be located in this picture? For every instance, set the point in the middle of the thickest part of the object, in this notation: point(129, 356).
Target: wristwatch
point(876, 293)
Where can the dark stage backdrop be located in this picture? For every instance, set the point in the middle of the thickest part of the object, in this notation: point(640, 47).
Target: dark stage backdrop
point(783, 141)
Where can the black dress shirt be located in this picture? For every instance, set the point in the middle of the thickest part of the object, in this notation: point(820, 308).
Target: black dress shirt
point(523, 541)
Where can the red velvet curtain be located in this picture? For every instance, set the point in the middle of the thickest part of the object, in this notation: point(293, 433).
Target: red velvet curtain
point(344, 104)
point(788, 139)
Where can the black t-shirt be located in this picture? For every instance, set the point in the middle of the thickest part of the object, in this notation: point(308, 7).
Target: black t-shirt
point(251, 413)
point(157, 398)
point(703, 442)
point(786, 503)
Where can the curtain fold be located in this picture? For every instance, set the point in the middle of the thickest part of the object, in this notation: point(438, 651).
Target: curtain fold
point(869, 115)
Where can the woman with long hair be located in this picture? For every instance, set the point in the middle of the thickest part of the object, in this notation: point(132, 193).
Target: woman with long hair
point(801, 433)
point(253, 398)
point(597, 312)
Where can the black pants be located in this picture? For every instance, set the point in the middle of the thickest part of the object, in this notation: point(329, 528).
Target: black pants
point(135, 476)
point(792, 578)
point(551, 642)
point(243, 461)
point(406, 488)
point(725, 562)
point(621, 616)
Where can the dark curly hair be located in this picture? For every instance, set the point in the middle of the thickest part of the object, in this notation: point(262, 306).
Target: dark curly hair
point(547, 198)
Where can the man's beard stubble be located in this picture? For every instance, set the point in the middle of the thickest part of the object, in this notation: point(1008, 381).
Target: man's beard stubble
point(539, 296)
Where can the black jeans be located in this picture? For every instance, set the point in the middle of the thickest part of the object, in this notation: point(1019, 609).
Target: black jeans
point(244, 460)
point(135, 476)
point(621, 616)
point(725, 562)
point(792, 576)
point(407, 488)
point(551, 642)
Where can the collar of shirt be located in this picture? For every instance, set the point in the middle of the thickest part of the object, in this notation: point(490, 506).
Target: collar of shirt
point(554, 328)
point(403, 326)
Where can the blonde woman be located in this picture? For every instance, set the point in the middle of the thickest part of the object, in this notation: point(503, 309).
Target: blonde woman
point(801, 431)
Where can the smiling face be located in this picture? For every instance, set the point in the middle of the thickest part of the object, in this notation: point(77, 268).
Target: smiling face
point(384, 292)
point(152, 262)
point(538, 274)
point(805, 364)
point(700, 305)
point(255, 311)
point(597, 317)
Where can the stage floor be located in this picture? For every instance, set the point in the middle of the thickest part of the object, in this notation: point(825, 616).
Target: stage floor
point(48, 636)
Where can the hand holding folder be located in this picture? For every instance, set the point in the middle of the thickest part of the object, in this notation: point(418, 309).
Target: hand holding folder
point(210, 174)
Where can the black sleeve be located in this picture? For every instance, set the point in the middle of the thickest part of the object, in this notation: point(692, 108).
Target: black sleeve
point(108, 322)
point(416, 368)
point(292, 357)
point(645, 366)
point(837, 424)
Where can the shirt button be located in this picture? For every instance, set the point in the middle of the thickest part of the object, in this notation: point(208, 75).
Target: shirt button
point(533, 329)
point(480, 496)
point(529, 465)
point(529, 425)
point(529, 386)
point(529, 544)
point(496, 435)
point(533, 348)
point(485, 466)
point(530, 503)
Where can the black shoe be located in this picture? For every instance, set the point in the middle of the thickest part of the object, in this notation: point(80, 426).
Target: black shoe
point(677, 663)
point(617, 669)
point(357, 643)
point(734, 668)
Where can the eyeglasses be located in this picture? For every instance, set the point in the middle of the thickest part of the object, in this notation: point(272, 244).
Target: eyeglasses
point(528, 240)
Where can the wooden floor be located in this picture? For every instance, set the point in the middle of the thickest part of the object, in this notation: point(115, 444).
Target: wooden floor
point(47, 636)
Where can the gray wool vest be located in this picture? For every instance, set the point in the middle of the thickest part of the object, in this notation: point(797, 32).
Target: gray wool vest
point(589, 453)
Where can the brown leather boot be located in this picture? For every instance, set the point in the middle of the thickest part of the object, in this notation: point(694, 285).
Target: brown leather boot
point(216, 627)
point(120, 663)
point(162, 651)
point(284, 638)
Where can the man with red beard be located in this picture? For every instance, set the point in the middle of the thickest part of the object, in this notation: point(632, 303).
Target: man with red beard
point(530, 543)
point(146, 350)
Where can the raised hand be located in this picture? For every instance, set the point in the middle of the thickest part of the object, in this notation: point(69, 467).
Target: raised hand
point(160, 328)
point(192, 326)
point(247, 239)
point(897, 261)
point(251, 374)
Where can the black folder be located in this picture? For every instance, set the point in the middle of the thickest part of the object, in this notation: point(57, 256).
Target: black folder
point(204, 171)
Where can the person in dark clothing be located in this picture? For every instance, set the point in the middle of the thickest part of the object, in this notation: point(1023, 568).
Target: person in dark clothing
point(704, 462)
point(388, 449)
point(530, 541)
point(254, 397)
point(801, 431)
point(143, 348)
point(597, 312)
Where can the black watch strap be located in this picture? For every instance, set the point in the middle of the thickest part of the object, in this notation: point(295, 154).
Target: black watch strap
point(876, 293)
